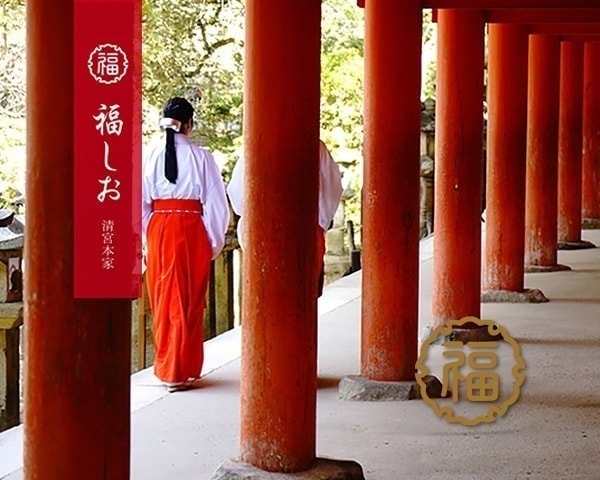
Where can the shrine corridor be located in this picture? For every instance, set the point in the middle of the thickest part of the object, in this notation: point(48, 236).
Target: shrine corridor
point(552, 432)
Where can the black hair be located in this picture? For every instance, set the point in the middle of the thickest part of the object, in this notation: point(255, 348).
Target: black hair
point(179, 109)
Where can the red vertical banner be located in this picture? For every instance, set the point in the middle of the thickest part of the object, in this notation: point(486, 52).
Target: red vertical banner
point(107, 173)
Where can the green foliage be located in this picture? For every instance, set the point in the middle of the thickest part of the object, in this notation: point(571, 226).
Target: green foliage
point(11, 18)
point(9, 196)
point(428, 90)
point(342, 62)
point(12, 65)
point(429, 56)
point(12, 58)
point(194, 49)
point(429, 29)
point(342, 74)
point(12, 101)
point(12, 160)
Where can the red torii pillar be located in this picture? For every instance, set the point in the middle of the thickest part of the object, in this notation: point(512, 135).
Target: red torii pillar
point(458, 151)
point(591, 136)
point(390, 279)
point(506, 157)
point(77, 376)
point(570, 144)
point(279, 300)
point(542, 154)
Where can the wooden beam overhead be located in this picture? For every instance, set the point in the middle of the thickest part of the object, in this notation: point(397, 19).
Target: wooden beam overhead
point(493, 4)
point(543, 15)
point(506, 4)
point(571, 29)
point(580, 38)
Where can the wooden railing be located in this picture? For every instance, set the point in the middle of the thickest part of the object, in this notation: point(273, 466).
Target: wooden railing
point(221, 315)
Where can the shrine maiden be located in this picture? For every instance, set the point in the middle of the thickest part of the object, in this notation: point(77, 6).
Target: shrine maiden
point(184, 219)
point(330, 194)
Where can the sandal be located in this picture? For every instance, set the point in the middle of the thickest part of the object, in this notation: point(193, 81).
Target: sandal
point(181, 387)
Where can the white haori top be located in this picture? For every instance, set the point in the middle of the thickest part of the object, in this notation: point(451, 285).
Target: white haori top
point(198, 178)
point(330, 189)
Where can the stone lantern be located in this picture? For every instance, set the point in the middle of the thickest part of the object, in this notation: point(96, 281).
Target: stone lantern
point(11, 256)
point(11, 316)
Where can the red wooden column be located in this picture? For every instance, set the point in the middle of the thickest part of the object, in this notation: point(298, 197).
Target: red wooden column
point(570, 144)
point(391, 161)
point(279, 304)
point(506, 148)
point(591, 136)
point(542, 154)
point(76, 422)
point(458, 164)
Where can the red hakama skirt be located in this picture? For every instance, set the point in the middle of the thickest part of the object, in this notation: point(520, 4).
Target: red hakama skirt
point(177, 274)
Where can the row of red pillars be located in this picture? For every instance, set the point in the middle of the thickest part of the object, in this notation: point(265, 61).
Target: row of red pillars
point(77, 377)
point(538, 120)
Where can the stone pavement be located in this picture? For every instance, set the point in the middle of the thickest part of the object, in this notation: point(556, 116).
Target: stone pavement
point(552, 432)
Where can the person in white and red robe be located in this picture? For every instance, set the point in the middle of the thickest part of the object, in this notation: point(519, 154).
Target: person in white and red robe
point(185, 215)
point(330, 194)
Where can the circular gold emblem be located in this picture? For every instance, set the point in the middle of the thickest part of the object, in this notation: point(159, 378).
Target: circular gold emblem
point(480, 378)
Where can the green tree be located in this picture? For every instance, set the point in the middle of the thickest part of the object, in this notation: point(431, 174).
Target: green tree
point(194, 49)
point(429, 56)
point(342, 65)
point(12, 101)
point(12, 58)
